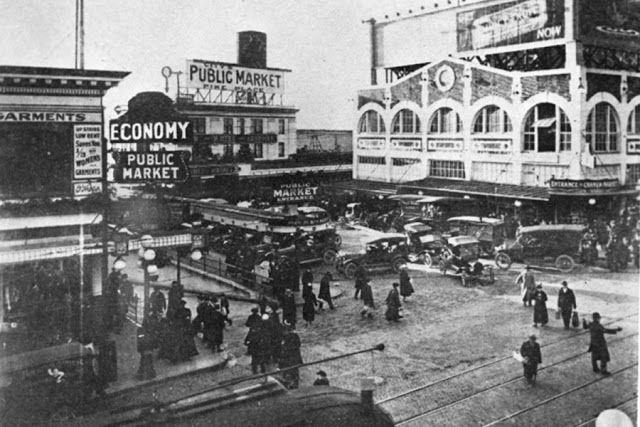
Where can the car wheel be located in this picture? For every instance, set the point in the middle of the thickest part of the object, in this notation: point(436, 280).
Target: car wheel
point(503, 261)
point(565, 263)
point(397, 264)
point(329, 257)
point(350, 270)
point(426, 259)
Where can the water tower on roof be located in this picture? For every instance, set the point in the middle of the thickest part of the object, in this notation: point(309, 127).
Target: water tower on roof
point(252, 49)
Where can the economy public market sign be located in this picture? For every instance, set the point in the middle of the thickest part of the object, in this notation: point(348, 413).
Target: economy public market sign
point(157, 166)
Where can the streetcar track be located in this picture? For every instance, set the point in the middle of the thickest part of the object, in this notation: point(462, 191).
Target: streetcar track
point(557, 396)
point(493, 362)
point(616, 406)
point(492, 387)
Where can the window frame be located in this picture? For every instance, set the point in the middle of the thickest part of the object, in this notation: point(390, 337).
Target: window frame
point(406, 118)
point(365, 121)
point(282, 126)
point(256, 129)
point(531, 134)
point(438, 119)
point(592, 134)
point(281, 148)
point(240, 126)
point(488, 123)
point(227, 126)
point(449, 169)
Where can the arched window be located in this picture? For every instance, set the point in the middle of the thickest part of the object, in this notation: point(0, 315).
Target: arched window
point(492, 119)
point(547, 129)
point(445, 120)
point(406, 121)
point(602, 131)
point(371, 122)
point(633, 128)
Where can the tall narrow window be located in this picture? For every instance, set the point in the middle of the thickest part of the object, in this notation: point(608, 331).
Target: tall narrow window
point(547, 129)
point(445, 120)
point(282, 126)
point(256, 126)
point(371, 122)
point(602, 130)
point(492, 119)
point(257, 151)
point(227, 125)
point(280, 149)
point(406, 121)
point(240, 123)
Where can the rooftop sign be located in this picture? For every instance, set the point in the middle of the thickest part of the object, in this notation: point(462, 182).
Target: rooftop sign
point(217, 75)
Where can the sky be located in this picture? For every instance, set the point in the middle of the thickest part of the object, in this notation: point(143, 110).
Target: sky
point(324, 43)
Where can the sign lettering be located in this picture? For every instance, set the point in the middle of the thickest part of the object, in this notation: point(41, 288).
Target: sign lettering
point(295, 192)
point(87, 151)
point(216, 75)
point(43, 116)
point(159, 166)
point(170, 131)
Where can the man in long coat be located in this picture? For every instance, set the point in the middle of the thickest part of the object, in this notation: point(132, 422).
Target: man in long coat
point(406, 288)
point(530, 351)
point(289, 313)
point(258, 346)
point(566, 303)
point(598, 346)
point(325, 291)
point(290, 356)
point(540, 314)
point(393, 304)
point(367, 300)
point(309, 306)
point(528, 285)
point(254, 318)
point(361, 278)
point(158, 302)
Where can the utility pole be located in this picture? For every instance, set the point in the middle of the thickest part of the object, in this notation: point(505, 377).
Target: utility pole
point(80, 34)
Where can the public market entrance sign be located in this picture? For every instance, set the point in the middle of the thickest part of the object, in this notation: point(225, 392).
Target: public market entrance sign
point(158, 166)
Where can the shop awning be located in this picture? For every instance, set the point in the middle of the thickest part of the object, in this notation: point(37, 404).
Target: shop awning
point(544, 123)
point(478, 188)
point(26, 222)
point(40, 252)
point(373, 187)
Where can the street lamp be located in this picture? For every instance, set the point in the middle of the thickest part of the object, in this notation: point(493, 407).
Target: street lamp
point(119, 264)
point(592, 202)
point(146, 255)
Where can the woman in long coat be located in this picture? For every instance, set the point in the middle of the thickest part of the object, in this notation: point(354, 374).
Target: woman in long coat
point(540, 314)
point(406, 289)
point(393, 304)
point(309, 307)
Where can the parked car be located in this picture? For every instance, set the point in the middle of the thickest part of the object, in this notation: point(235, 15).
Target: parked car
point(388, 252)
point(540, 244)
point(425, 243)
point(489, 231)
point(460, 255)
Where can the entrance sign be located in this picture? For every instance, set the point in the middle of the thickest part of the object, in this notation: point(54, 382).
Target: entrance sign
point(87, 151)
point(295, 192)
point(157, 166)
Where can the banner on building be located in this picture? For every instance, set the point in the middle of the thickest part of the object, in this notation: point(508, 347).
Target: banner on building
point(295, 192)
point(157, 166)
point(583, 184)
point(218, 75)
point(510, 23)
point(87, 151)
point(611, 23)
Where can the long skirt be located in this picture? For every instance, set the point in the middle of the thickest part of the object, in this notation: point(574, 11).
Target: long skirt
point(540, 314)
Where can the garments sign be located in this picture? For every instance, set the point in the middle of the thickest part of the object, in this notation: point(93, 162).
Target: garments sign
point(509, 23)
point(157, 166)
point(611, 23)
point(216, 75)
point(87, 151)
point(48, 116)
point(295, 192)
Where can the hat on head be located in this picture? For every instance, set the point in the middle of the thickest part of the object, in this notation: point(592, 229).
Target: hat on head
point(539, 286)
point(564, 283)
point(254, 310)
point(321, 373)
point(596, 315)
point(396, 284)
point(533, 337)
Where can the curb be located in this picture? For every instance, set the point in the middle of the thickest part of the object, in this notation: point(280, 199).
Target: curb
point(212, 368)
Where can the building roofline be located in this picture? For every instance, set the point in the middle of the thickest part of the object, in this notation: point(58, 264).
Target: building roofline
point(422, 10)
point(54, 72)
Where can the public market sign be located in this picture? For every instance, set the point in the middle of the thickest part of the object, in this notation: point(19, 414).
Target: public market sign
point(150, 132)
point(217, 75)
point(157, 166)
point(295, 192)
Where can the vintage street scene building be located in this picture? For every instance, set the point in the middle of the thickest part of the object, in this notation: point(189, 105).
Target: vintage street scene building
point(395, 213)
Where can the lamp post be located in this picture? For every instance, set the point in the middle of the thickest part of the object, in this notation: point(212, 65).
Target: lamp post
point(147, 255)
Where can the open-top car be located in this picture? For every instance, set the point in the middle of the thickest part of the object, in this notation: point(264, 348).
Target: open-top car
point(387, 252)
point(541, 244)
point(425, 243)
point(460, 257)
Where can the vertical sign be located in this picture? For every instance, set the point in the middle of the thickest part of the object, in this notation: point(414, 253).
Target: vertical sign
point(87, 151)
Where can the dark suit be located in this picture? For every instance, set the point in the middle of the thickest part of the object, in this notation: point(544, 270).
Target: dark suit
point(533, 357)
point(566, 305)
point(598, 345)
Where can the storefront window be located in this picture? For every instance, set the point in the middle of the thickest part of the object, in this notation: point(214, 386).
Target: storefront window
point(602, 130)
point(547, 129)
point(446, 169)
point(445, 120)
point(240, 126)
point(492, 119)
point(371, 122)
point(257, 151)
point(256, 126)
point(228, 125)
point(199, 124)
point(406, 121)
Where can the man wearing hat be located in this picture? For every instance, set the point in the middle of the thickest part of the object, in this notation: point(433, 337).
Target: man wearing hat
point(321, 378)
point(254, 318)
point(530, 352)
point(598, 345)
point(566, 303)
point(527, 285)
point(325, 291)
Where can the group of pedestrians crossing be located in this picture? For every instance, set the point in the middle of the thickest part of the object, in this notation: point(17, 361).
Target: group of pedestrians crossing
point(403, 288)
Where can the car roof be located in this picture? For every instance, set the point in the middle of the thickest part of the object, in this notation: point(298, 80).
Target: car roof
point(309, 209)
point(476, 219)
point(405, 197)
point(553, 227)
point(433, 199)
point(354, 204)
point(462, 240)
point(417, 226)
point(388, 236)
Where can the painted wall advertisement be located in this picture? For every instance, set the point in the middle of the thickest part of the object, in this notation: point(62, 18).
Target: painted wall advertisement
point(217, 75)
point(87, 151)
point(613, 23)
point(514, 22)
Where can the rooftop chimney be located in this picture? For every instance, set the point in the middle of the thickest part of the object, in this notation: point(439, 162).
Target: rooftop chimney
point(252, 49)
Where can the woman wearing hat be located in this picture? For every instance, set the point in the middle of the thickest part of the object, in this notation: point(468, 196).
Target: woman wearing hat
point(540, 314)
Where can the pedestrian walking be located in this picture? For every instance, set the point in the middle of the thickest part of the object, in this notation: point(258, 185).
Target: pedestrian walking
point(217, 320)
point(360, 279)
point(258, 346)
point(184, 337)
point(176, 293)
point(321, 378)
point(158, 302)
point(224, 305)
point(540, 314)
point(254, 318)
point(289, 312)
point(367, 300)
point(393, 304)
point(310, 303)
point(307, 278)
point(325, 291)
point(566, 303)
point(530, 352)
point(406, 288)
point(290, 356)
point(527, 282)
point(598, 345)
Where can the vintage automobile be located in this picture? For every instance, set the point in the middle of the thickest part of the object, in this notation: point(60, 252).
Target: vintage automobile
point(388, 252)
point(539, 244)
point(425, 243)
point(489, 231)
point(460, 255)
